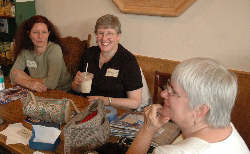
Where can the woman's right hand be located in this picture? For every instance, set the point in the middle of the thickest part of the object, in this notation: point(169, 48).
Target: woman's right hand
point(78, 78)
point(77, 81)
point(153, 117)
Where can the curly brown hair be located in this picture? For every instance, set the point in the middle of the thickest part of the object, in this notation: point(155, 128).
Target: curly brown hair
point(22, 39)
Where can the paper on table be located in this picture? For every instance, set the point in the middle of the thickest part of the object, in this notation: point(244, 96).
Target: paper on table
point(17, 133)
point(45, 134)
point(23, 0)
point(38, 152)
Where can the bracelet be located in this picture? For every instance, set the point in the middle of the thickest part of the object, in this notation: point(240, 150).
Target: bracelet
point(109, 100)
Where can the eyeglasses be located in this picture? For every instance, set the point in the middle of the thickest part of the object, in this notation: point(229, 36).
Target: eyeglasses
point(170, 89)
point(107, 35)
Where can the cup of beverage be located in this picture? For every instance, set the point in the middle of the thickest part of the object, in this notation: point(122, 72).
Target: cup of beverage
point(87, 82)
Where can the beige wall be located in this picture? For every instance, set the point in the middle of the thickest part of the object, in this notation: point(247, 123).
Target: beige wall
point(213, 28)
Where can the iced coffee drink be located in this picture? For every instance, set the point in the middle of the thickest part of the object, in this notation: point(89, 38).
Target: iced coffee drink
point(87, 82)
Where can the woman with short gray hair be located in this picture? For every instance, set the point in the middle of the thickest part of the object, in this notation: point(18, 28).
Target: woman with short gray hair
point(117, 76)
point(199, 99)
point(108, 21)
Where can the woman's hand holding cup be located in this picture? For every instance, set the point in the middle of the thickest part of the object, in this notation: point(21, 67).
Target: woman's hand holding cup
point(78, 78)
point(85, 81)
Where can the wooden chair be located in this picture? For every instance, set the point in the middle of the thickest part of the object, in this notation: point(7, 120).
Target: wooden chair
point(159, 85)
point(73, 51)
point(240, 114)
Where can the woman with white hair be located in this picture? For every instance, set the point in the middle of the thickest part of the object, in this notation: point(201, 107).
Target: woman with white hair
point(199, 99)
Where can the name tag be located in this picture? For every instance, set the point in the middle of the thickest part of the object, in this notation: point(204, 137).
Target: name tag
point(31, 64)
point(112, 72)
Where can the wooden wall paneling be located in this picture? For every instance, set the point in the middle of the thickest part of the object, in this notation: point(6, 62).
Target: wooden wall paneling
point(149, 65)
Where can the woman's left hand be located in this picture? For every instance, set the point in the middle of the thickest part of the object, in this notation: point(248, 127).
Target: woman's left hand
point(104, 99)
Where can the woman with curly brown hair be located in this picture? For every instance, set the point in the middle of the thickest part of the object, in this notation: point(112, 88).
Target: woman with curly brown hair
point(38, 48)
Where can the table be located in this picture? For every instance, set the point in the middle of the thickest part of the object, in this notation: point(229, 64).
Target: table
point(13, 113)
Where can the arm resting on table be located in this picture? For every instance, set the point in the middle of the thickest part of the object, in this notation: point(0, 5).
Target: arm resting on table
point(21, 78)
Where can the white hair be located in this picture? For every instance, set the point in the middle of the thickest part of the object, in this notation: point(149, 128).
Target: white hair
point(207, 82)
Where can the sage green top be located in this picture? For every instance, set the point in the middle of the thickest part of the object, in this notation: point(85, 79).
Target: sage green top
point(49, 65)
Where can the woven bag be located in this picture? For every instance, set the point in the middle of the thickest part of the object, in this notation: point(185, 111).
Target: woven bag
point(48, 109)
point(87, 135)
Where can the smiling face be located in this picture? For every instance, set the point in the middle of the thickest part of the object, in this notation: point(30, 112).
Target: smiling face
point(39, 35)
point(107, 39)
point(176, 105)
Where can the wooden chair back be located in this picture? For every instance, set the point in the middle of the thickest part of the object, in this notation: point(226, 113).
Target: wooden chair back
point(160, 83)
point(73, 51)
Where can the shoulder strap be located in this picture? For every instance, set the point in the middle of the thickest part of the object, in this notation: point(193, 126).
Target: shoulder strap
point(74, 105)
point(33, 98)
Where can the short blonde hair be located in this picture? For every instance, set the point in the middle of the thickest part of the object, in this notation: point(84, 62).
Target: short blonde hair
point(108, 21)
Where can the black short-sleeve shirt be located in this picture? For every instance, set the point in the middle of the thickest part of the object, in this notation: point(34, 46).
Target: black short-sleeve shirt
point(116, 77)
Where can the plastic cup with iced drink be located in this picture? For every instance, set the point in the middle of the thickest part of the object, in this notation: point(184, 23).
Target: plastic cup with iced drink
point(87, 82)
